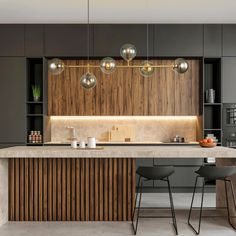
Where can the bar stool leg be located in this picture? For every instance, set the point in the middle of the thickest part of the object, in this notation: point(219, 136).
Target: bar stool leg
point(227, 201)
point(190, 211)
point(172, 207)
point(140, 187)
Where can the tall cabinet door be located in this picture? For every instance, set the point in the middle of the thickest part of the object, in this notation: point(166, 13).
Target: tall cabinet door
point(109, 38)
point(12, 99)
point(178, 40)
point(67, 40)
point(229, 79)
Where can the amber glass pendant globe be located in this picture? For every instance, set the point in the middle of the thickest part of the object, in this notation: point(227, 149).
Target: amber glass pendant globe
point(128, 52)
point(146, 70)
point(56, 66)
point(108, 65)
point(88, 80)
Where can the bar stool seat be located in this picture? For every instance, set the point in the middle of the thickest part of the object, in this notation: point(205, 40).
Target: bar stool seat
point(214, 173)
point(153, 173)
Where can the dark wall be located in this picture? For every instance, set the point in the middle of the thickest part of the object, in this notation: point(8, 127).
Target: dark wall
point(19, 41)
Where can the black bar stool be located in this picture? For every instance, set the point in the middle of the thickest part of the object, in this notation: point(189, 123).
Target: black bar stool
point(213, 173)
point(153, 173)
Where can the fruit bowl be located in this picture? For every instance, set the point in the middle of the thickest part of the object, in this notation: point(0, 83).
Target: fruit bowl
point(208, 145)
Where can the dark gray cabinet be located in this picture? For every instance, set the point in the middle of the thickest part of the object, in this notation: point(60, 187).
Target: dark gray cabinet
point(11, 40)
point(67, 40)
point(34, 40)
point(12, 100)
point(109, 38)
point(178, 40)
point(184, 176)
point(229, 80)
point(229, 39)
point(212, 40)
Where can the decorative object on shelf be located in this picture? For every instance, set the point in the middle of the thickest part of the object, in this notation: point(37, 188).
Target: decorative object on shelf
point(210, 96)
point(212, 136)
point(36, 92)
point(35, 137)
point(108, 65)
point(177, 139)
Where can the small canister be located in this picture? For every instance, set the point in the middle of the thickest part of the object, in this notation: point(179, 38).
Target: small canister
point(91, 142)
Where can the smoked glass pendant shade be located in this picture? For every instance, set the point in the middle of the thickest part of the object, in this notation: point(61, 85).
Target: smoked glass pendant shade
point(128, 52)
point(88, 80)
point(180, 65)
point(56, 66)
point(146, 70)
point(108, 65)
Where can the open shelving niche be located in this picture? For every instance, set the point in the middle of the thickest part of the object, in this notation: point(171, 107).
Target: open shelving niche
point(212, 112)
point(35, 109)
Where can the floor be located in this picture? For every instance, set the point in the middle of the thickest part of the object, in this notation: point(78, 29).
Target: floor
point(162, 227)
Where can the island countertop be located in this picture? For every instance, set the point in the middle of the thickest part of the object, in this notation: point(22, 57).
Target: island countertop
point(118, 152)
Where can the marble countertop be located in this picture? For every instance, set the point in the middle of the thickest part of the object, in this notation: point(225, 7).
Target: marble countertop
point(118, 152)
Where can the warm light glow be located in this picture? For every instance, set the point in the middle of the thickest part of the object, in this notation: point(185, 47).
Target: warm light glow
point(123, 117)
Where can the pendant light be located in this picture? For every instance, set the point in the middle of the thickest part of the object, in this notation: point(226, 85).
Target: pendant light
point(108, 65)
point(88, 80)
point(147, 68)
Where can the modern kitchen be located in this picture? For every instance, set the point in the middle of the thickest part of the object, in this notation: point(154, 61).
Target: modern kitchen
point(114, 123)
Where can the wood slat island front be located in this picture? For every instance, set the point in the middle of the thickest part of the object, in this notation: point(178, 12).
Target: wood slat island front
point(70, 189)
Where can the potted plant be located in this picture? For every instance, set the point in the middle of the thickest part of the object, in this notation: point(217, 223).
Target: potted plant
point(36, 92)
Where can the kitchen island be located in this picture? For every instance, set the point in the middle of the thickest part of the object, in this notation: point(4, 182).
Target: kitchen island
point(62, 184)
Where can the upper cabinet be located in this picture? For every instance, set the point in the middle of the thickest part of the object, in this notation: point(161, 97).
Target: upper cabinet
point(178, 40)
point(12, 99)
point(229, 39)
point(108, 39)
point(34, 40)
point(67, 40)
point(212, 40)
point(11, 40)
point(229, 79)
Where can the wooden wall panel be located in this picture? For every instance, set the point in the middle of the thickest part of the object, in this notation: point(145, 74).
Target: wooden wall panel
point(125, 92)
point(101, 189)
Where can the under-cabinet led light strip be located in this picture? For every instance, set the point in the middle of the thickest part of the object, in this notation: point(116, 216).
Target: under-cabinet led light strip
point(123, 117)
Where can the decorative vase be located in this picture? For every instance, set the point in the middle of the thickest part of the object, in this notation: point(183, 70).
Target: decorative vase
point(36, 99)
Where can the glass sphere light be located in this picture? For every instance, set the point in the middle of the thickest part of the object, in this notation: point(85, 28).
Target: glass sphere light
point(88, 80)
point(108, 65)
point(128, 52)
point(56, 66)
point(180, 65)
point(146, 70)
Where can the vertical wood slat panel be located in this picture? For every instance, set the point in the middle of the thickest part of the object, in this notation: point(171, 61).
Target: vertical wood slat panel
point(77, 189)
point(26, 173)
point(63, 188)
point(45, 189)
point(31, 189)
point(59, 186)
point(35, 174)
point(50, 190)
point(71, 189)
point(22, 190)
point(40, 183)
point(73, 179)
point(17, 191)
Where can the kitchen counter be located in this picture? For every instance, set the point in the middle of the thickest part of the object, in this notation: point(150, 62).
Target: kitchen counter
point(118, 152)
point(58, 183)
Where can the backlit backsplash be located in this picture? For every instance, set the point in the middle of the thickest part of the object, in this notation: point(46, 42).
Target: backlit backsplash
point(146, 129)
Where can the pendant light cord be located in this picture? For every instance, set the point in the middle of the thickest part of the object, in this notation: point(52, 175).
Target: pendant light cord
point(147, 41)
point(88, 33)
